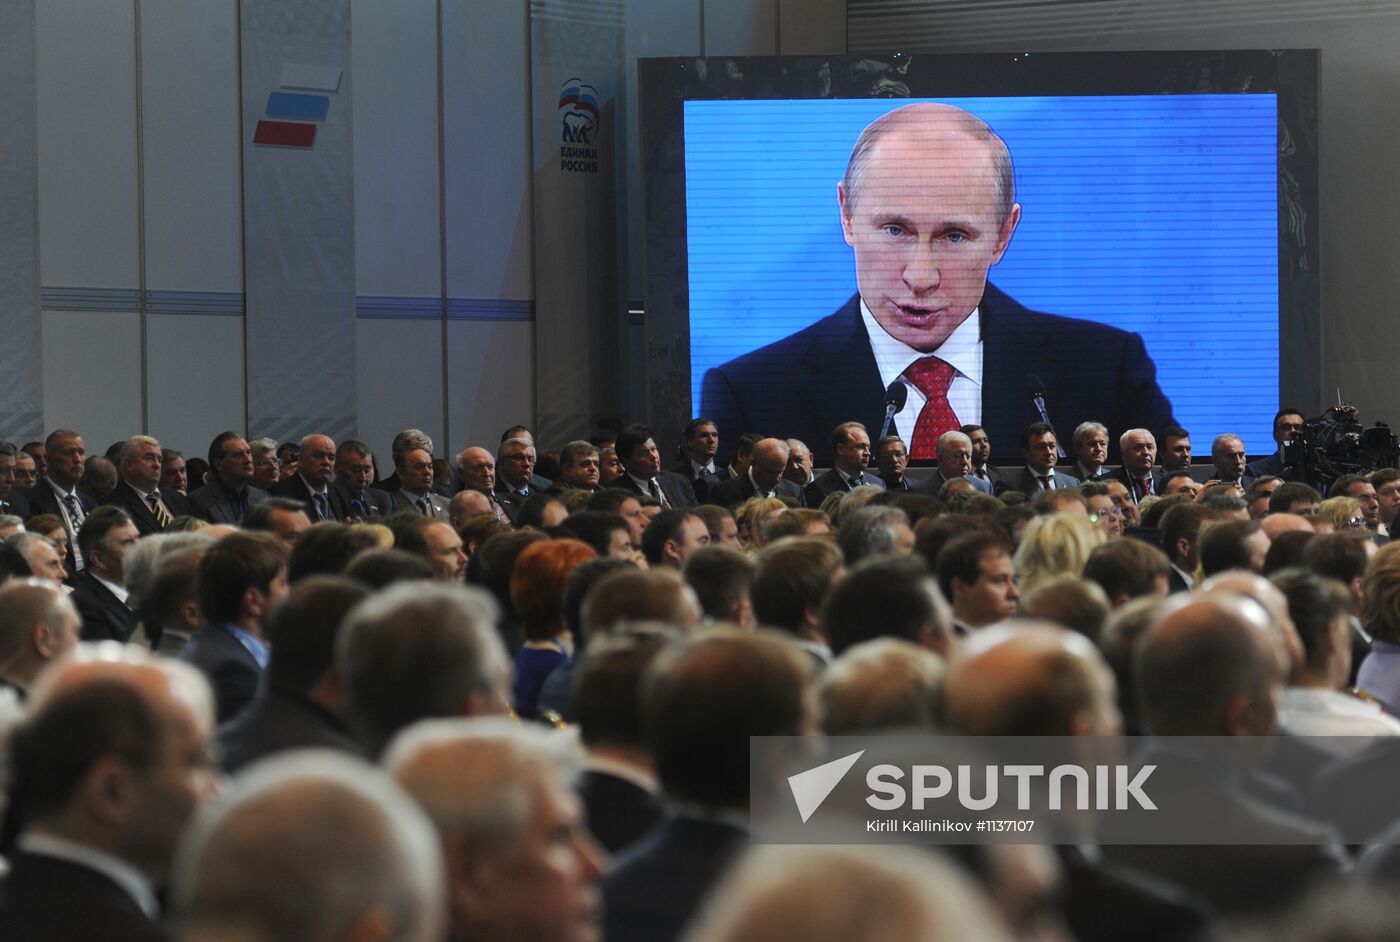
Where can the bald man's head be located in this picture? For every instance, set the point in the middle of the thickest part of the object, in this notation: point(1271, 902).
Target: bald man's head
point(1030, 678)
point(1210, 667)
point(38, 624)
point(114, 754)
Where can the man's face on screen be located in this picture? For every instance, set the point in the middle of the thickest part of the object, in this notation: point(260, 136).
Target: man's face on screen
point(925, 228)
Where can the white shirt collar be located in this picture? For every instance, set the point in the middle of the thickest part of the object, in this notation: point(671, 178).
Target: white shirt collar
point(696, 469)
point(118, 590)
point(60, 491)
point(644, 483)
point(962, 350)
point(325, 488)
point(132, 881)
point(1186, 576)
point(760, 492)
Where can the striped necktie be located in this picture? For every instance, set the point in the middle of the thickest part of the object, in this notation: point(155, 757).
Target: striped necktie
point(158, 509)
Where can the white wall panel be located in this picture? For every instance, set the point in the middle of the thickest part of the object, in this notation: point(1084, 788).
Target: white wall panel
point(491, 371)
point(394, 58)
point(92, 375)
point(194, 379)
point(189, 145)
point(399, 364)
point(486, 94)
point(87, 143)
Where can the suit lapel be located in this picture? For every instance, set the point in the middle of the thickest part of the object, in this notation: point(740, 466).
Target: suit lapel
point(843, 354)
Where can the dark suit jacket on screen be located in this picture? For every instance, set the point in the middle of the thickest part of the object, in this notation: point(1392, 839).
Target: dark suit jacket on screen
point(805, 385)
point(125, 497)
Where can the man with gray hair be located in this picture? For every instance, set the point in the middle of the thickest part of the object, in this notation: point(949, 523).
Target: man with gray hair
point(310, 847)
point(1139, 454)
point(579, 468)
point(516, 480)
point(954, 461)
point(1090, 452)
point(874, 531)
point(1227, 454)
point(764, 477)
point(416, 651)
point(311, 484)
point(267, 467)
point(41, 555)
point(38, 625)
point(410, 439)
point(521, 863)
point(139, 492)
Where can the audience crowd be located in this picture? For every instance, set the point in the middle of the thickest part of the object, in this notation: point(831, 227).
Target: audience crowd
point(284, 692)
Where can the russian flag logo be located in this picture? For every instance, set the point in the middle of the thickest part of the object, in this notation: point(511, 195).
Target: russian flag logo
point(298, 107)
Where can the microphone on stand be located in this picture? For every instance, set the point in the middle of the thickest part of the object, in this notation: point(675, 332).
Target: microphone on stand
point(895, 397)
point(1035, 387)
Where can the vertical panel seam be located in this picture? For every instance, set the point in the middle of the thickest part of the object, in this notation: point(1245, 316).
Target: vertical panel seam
point(444, 360)
point(139, 92)
point(242, 203)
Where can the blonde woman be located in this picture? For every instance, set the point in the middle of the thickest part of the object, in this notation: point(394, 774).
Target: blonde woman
point(750, 517)
point(1344, 513)
point(1054, 546)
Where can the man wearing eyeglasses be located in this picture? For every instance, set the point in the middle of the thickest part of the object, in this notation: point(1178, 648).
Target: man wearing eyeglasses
point(515, 475)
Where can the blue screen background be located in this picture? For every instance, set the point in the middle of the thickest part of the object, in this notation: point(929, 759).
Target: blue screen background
point(1156, 214)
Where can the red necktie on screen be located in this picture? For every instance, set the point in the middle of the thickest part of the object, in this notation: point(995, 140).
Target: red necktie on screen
point(932, 377)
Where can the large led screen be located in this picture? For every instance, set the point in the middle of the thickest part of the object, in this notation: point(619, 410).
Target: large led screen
point(1120, 254)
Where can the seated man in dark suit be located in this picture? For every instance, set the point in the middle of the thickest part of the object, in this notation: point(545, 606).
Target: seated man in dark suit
point(139, 493)
point(579, 468)
point(1287, 421)
point(1090, 452)
point(476, 471)
point(106, 770)
point(1228, 458)
point(699, 445)
point(1035, 679)
point(229, 493)
point(515, 475)
point(642, 474)
point(764, 477)
point(701, 703)
point(57, 491)
point(523, 863)
point(410, 439)
point(353, 473)
point(108, 534)
point(241, 578)
point(954, 461)
point(618, 786)
point(892, 459)
point(1040, 450)
point(928, 206)
point(38, 625)
point(850, 447)
point(12, 502)
point(1139, 453)
point(1213, 670)
point(538, 482)
point(311, 482)
point(302, 703)
point(981, 455)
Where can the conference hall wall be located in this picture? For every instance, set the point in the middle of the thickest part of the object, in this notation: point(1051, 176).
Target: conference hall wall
point(143, 194)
